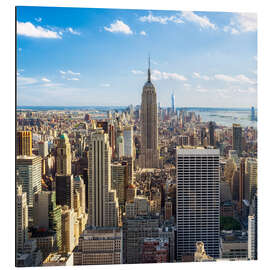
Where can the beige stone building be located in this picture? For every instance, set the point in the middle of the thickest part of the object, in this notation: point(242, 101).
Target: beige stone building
point(99, 246)
point(103, 209)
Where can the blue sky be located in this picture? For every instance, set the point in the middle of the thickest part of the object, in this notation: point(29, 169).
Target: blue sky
point(75, 56)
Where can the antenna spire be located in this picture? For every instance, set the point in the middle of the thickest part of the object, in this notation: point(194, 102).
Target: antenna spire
point(149, 73)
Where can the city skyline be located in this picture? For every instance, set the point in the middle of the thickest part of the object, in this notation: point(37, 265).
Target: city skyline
point(196, 64)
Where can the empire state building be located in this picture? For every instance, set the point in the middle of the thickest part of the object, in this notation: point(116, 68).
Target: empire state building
point(149, 157)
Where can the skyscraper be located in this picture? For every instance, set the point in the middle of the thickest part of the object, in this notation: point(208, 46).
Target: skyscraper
point(128, 141)
point(251, 237)
point(149, 157)
point(173, 100)
point(197, 200)
point(251, 171)
point(47, 214)
point(237, 139)
point(64, 178)
point(211, 129)
point(103, 210)
point(24, 143)
point(21, 219)
point(28, 170)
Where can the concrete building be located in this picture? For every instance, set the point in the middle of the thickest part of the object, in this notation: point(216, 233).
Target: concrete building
point(237, 139)
point(43, 149)
point(149, 157)
point(99, 246)
point(103, 209)
point(28, 175)
point(139, 207)
point(47, 215)
point(21, 219)
point(251, 173)
point(128, 141)
point(211, 129)
point(134, 232)
point(68, 235)
point(251, 238)
point(119, 182)
point(64, 178)
point(197, 200)
point(24, 143)
point(234, 245)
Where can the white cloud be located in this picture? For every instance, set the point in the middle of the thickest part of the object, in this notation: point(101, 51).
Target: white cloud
point(45, 80)
point(20, 49)
point(105, 85)
point(203, 77)
point(238, 78)
point(73, 73)
point(72, 31)
point(30, 30)
point(72, 79)
point(137, 72)
point(158, 75)
point(203, 21)
point(143, 33)
point(241, 23)
point(26, 81)
point(160, 19)
point(246, 22)
point(62, 72)
point(119, 27)
point(225, 78)
point(38, 19)
point(187, 85)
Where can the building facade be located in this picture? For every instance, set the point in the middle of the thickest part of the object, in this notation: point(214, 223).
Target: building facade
point(197, 200)
point(103, 209)
point(99, 246)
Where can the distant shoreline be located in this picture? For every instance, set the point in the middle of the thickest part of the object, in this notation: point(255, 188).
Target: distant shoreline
point(106, 108)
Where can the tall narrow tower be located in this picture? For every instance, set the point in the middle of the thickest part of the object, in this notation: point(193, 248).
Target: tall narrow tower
point(103, 210)
point(149, 157)
point(173, 101)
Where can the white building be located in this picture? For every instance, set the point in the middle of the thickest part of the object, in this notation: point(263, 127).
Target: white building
point(28, 170)
point(103, 207)
point(197, 200)
point(251, 237)
point(21, 219)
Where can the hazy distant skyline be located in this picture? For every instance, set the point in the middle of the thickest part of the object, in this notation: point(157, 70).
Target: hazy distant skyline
point(84, 57)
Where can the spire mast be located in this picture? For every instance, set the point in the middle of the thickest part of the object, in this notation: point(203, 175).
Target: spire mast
point(149, 73)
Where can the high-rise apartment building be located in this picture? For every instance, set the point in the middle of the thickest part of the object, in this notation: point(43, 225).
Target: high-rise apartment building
point(47, 215)
point(64, 179)
point(197, 200)
point(24, 143)
point(251, 173)
point(103, 210)
point(68, 224)
point(21, 219)
point(43, 149)
point(119, 182)
point(149, 157)
point(102, 245)
point(128, 141)
point(28, 174)
point(251, 237)
point(237, 139)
